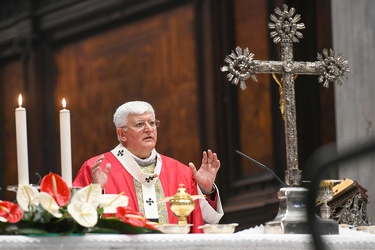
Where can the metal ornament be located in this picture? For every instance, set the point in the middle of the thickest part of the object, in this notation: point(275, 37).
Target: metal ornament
point(292, 214)
point(329, 67)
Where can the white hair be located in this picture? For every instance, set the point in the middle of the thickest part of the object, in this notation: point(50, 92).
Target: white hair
point(120, 118)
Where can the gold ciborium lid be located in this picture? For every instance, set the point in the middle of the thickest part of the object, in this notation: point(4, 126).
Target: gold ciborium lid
point(182, 204)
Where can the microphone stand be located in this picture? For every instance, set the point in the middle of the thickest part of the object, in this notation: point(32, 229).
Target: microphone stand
point(262, 166)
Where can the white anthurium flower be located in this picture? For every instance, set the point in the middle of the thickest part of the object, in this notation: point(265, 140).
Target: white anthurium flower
point(89, 194)
point(27, 196)
point(84, 203)
point(83, 213)
point(2, 219)
point(49, 204)
point(109, 202)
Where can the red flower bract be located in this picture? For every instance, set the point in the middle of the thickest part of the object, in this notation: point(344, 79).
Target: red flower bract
point(54, 185)
point(10, 211)
point(132, 217)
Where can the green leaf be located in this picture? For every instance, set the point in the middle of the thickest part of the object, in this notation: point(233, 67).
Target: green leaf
point(115, 226)
point(37, 215)
point(100, 211)
point(55, 226)
point(61, 226)
point(23, 227)
point(41, 215)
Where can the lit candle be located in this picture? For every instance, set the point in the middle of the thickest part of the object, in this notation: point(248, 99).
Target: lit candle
point(21, 137)
point(66, 152)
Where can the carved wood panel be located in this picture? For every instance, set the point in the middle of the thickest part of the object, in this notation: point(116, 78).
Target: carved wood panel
point(151, 59)
point(255, 104)
point(11, 79)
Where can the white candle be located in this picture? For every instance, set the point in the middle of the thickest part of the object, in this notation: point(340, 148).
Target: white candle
point(66, 152)
point(21, 137)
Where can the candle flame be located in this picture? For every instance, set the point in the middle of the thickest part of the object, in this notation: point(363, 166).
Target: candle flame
point(20, 100)
point(64, 103)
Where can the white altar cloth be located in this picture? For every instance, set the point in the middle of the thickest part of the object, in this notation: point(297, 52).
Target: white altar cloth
point(247, 239)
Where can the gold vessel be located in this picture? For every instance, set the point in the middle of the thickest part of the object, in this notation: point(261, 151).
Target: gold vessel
point(182, 204)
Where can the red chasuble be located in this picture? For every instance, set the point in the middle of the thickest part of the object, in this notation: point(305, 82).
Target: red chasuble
point(172, 174)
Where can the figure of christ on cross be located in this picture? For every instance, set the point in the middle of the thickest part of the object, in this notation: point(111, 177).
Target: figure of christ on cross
point(330, 67)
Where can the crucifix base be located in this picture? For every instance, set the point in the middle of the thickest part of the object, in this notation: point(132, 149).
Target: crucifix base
point(292, 215)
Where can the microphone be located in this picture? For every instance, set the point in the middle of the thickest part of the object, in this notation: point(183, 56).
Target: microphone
point(261, 165)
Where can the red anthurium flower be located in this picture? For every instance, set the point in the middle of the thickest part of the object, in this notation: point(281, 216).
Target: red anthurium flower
point(151, 225)
point(54, 185)
point(10, 211)
point(132, 217)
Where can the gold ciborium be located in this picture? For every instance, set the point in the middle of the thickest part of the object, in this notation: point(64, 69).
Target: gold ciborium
point(182, 204)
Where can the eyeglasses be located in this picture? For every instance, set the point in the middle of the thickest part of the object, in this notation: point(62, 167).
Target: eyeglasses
point(139, 125)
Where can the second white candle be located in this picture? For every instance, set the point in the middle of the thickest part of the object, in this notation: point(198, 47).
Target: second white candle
point(65, 142)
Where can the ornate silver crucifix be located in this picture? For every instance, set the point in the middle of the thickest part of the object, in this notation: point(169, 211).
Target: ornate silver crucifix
point(241, 66)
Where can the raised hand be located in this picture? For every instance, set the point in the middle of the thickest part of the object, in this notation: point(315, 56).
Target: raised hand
point(206, 174)
point(97, 175)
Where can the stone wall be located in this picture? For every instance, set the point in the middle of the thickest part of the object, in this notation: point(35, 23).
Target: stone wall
point(353, 25)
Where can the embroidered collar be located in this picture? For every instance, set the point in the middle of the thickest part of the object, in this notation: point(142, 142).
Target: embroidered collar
point(129, 163)
point(145, 162)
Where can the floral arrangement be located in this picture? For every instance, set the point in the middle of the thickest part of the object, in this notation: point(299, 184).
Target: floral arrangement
point(55, 209)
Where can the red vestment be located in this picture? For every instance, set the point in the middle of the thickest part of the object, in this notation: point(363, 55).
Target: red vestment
point(173, 173)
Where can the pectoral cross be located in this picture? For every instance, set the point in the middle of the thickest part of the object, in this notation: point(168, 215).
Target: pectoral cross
point(330, 67)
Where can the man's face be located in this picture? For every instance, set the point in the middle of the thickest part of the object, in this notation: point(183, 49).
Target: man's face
point(140, 134)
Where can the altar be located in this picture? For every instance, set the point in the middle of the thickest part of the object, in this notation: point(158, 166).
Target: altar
point(254, 238)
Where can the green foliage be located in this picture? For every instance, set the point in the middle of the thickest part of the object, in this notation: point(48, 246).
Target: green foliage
point(66, 226)
point(37, 215)
point(116, 226)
